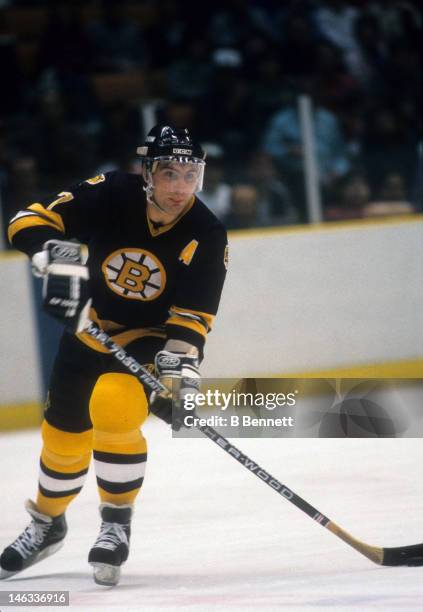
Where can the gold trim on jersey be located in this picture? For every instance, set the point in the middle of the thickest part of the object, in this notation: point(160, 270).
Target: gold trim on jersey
point(193, 325)
point(100, 178)
point(35, 215)
point(64, 196)
point(122, 338)
point(164, 228)
point(188, 252)
point(200, 322)
point(48, 215)
point(105, 324)
point(208, 318)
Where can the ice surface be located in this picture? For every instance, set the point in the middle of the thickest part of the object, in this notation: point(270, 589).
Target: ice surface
point(208, 535)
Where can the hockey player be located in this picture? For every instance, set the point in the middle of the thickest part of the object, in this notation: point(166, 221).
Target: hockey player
point(153, 279)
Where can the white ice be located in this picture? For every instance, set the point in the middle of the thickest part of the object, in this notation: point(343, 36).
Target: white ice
point(208, 535)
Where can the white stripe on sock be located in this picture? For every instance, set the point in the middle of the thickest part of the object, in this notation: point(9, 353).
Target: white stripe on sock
point(119, 472)
point(58, 485)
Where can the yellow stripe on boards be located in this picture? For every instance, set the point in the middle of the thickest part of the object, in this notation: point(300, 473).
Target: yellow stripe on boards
point(25, 416)
point(20, 416)
point(412, 368)
point(328, 226)
point(17, 255)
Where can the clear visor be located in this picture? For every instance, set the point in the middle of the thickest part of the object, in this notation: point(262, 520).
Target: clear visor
point(196, 163)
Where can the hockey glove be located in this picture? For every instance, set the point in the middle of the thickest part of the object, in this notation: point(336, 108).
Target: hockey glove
point(65, 283)
point(179, 373)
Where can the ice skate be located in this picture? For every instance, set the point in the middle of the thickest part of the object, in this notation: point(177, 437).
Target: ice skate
point(43, 537)
point(111, 548)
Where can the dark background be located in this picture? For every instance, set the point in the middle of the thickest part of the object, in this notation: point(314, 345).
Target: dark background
point(83, 81)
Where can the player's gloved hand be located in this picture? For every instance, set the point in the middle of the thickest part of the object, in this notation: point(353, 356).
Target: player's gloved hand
point(179, 373)
point(65, 282)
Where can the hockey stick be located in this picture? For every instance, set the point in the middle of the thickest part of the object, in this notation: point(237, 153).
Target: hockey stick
point(401, 555)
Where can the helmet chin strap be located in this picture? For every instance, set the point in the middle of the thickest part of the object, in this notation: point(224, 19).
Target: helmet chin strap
point(150, 198)
point(149, 190)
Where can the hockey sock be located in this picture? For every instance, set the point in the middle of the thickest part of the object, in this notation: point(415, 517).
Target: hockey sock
point(118, 407)
point(64, 463)
point(119, 460)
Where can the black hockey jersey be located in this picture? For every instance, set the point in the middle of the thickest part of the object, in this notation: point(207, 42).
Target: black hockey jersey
point(165, 278)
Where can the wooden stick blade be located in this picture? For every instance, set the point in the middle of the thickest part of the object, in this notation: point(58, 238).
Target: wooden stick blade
point(374, 553)
point(411, 556)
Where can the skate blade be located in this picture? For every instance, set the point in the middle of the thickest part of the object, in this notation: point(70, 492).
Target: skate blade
point(106, 575)
point(47, 552)
point(5, 574)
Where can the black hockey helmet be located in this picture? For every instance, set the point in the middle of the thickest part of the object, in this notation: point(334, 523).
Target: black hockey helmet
point(165, 143)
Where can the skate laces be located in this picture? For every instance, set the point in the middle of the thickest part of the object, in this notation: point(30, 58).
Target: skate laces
point(111, 535)
point(31, 538)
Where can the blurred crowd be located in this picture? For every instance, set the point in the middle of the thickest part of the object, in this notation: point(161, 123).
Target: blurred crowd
point(83, 82)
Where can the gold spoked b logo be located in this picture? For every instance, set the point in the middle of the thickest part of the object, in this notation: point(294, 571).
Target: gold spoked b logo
point(135, 274)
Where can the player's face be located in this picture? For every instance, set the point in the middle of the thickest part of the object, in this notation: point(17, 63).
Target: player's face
point(174, 184)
